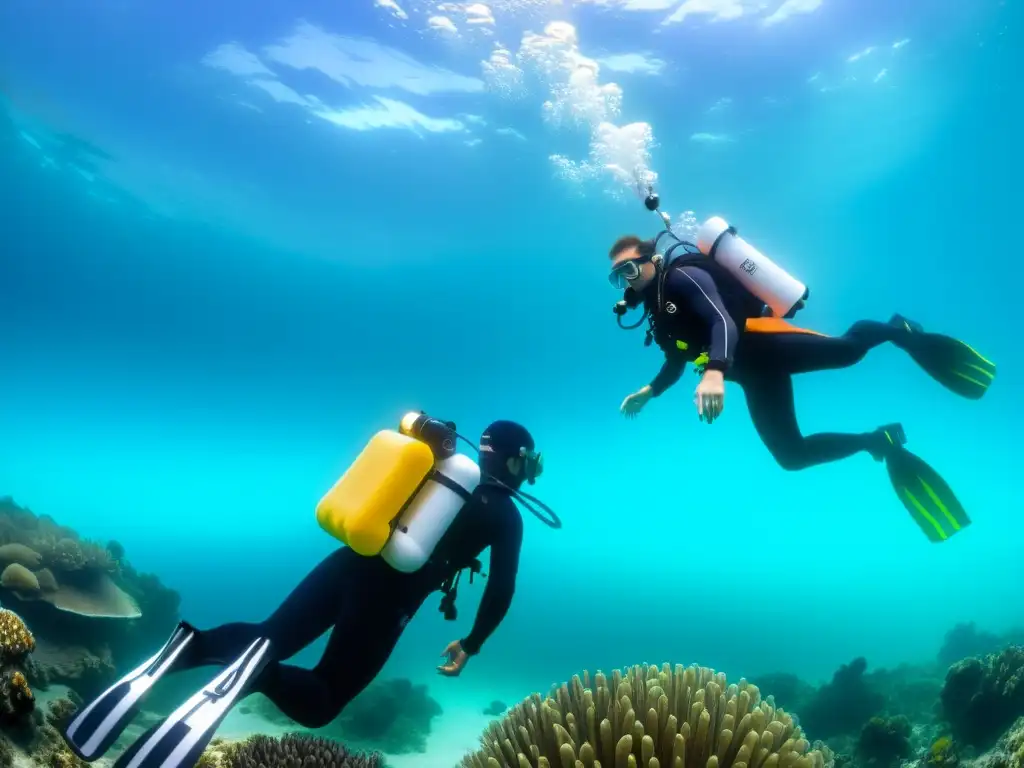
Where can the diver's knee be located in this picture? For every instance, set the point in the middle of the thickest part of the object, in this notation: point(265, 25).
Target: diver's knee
point(321, 717)
point(790, 460)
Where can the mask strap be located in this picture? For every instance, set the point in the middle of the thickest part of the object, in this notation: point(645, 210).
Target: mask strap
point(549, 517)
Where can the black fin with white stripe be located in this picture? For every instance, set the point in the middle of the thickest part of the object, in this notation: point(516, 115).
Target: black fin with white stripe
point(179, 740)
point(96, 727)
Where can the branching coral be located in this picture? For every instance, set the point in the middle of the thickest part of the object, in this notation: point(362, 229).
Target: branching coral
point(291, 751)
point(647, 717)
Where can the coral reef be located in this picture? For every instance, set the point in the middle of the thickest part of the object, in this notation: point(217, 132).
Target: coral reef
point(908, 690)
point(884, 742)
point(293, 750)
point(981, 698)
point(843, 705)
point(394, 715)
point(965, 641)
point(942, 752)
point(37, 738)
point(48, 748)
point(60, 711)
point(86, 672)
point(17, 701)
point(44, 561)
point(648, 717)
point(66, 587)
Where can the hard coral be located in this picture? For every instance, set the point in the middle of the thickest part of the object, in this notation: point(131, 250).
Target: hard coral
point(20, 554)
point(982, 698)
point(647, 717)
point(965, 640)
point(51, 751)
point(942, 753)
point(62, 710)
point(19, 579)
point(842, 706)
point(16, 641)
point(884, 741)
point(17, 702)
point(290, 751)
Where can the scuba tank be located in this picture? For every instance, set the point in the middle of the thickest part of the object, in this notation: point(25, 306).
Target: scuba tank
point(780, 291)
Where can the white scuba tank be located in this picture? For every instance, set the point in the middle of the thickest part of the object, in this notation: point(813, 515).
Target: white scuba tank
point(760, 275)
point(430, 513)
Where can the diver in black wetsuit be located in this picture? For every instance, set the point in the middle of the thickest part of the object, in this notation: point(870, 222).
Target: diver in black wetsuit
point(363, 601)
point(700, 312)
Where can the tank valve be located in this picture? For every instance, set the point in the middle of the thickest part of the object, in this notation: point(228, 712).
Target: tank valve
point(652, 202)
point(439, 435)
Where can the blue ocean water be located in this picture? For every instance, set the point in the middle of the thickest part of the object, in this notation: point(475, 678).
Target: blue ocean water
point(278, 227)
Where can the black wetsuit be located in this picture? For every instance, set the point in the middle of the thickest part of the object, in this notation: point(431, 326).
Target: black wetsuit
point(368, 604)
point(703, 308)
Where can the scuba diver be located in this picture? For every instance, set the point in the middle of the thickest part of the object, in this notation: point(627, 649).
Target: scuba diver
point(723, 306)
point(366, 602)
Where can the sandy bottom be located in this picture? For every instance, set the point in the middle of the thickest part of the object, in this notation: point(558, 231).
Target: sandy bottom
point(453, 734)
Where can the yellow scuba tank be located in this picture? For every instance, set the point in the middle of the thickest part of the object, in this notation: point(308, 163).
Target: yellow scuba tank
point(401, 493)
point(359, 509)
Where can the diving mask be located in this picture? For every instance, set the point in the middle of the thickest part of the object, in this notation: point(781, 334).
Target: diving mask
point(625, 272)
point(533, 464)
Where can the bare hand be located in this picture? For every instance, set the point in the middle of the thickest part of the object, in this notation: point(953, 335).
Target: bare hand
point(709, 396)
point(457, 659)
point(633, 404)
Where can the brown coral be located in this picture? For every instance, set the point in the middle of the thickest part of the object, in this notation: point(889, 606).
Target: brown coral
point(20, 686)
point(96, 595)
point(47, 581)
point(68, 554)
point(86, 672)
point(20, 554)
point(61, 711)
point(647, 717)
point(51, 751)
point(291, 751)
point(19, 579)
point(16, 641)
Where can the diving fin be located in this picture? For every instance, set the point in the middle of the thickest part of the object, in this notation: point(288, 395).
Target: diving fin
point(178, 741)
point(952, 363)
point(925, 495)
point(96, 727)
